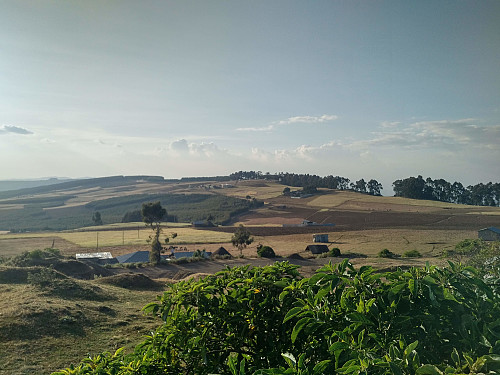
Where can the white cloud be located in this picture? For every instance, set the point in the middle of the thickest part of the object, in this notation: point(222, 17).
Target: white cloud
point(14, 129)
point(180, 145)
point(389, 124)
point(308, 119)
point(451, 135)
point(261, 129)
point(292, 120)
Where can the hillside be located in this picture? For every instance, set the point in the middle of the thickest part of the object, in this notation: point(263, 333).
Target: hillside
point(6, 185)
point(71, 204)
point(53, 309)
point(363, 223)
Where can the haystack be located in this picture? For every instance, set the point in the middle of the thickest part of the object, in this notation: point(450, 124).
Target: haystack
point(221, 252)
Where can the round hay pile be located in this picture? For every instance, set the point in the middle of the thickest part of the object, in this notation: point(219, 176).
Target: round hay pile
point(295, 256)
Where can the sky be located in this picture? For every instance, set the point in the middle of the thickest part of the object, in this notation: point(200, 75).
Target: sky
point(361, 89)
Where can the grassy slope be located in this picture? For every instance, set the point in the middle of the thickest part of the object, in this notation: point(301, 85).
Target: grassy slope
point(71, 205)
point(42, 331)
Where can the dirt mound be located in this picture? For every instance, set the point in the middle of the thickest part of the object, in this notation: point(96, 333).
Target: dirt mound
point(39, 322)
point(134, 281)
point(80, 270)
point(295, 256)
point(20, 275)
point(52, 258)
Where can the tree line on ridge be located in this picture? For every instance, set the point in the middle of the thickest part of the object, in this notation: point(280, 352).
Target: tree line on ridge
point(412, 187)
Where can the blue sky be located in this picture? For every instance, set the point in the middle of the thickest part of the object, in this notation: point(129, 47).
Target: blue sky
point(372, 89)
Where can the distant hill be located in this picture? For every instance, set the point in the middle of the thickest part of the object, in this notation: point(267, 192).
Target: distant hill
point(6, 185)
point(102, 182)
point(71, 204)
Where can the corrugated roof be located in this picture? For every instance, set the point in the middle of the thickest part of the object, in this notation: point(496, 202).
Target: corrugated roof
point(493, 229)
point(135, 257)
point(317, 249)
point(102, 255)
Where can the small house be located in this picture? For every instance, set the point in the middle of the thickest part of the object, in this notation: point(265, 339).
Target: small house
point(320, 238)
point(221, 251)
point(135, 257)
point(100, 257)
point(202, 223)
point(489, 234)
point(317, 249)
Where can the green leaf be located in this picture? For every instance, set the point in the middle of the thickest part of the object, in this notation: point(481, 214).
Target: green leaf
point(395, 369)
point(412, 285)
point(428, 370)
point(410, 348)
point(339, 345)
point(321, 367)
point(322, 292)
point(290, 359)
point(293, 312)
point(298, 327)
point(242, 367)
point(455, 357)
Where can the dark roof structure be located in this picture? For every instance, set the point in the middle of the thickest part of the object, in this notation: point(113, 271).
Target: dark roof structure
point(492, 229)
point(135, 257)
point(221, 252)
point(317, 249)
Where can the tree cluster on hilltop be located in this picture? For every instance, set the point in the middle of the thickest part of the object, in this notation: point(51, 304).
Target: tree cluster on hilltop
point(412, 187)
point(441, 190)
point(372, 187)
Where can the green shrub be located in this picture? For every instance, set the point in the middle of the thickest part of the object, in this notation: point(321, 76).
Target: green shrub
point(44, 277)
point(386, 253)
point(335, 252)
point(341, 320)
point(36, 257)
point(412, 254)
point(266, 252)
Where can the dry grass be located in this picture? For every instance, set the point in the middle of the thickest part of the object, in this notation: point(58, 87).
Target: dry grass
point(47, 332)
point(370, 242)
point(497, 212)
point(90, 239)
point(351, 200)
point(262, 190)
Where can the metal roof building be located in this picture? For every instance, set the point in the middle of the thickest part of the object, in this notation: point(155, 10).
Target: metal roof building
point(489, 234)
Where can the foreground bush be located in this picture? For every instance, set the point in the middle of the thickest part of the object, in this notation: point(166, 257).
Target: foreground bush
point(341, 320)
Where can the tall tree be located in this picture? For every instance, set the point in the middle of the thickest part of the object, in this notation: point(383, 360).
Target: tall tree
point(374, 187)
point(152, 215)
point(359, 186)
point(241, 238)
point(96, 218)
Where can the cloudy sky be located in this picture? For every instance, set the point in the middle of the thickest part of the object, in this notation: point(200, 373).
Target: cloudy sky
point(372, 89)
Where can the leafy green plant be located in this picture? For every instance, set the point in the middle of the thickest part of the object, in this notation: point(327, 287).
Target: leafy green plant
point(412, 254)
point(265, 252)
point(342, 320)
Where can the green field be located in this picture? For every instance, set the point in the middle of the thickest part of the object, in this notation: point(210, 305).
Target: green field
point(52, 213)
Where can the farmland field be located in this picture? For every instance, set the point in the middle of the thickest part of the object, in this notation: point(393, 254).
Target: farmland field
point(127, 237)
point(363, 226)
point(363, 223)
